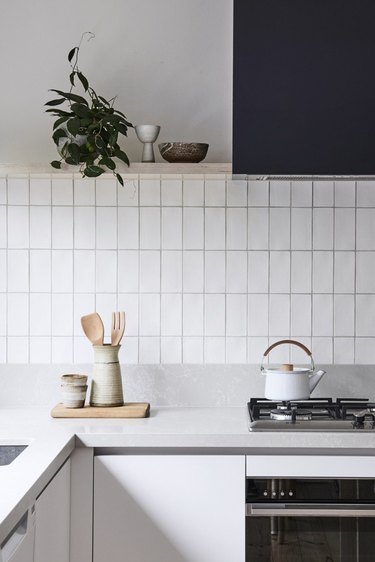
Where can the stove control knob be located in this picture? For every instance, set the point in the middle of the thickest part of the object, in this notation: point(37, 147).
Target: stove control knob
point(265, 493)
point(290, 493)
point(282, 494)
point(359, 418)
point(274, 494)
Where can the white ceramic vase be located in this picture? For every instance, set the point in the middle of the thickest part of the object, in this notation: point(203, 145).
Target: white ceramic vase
point(147, 134)
point(106, 385)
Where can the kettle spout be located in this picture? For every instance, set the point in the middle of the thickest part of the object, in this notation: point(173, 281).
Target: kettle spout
point(315, 379)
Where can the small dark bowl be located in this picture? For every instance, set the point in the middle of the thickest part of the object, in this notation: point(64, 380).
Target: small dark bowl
point(193, 152)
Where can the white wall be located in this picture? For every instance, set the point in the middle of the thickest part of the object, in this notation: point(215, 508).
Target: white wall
point(169, 62)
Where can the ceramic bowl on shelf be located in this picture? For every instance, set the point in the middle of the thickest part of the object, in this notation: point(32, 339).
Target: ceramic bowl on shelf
point(192, 152)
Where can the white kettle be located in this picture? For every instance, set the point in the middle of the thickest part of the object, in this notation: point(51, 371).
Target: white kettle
point(287, 382)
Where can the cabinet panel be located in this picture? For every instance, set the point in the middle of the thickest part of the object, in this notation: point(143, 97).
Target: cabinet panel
point(53, 519)
point(169, 508)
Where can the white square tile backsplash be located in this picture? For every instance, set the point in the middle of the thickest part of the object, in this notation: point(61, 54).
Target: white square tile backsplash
point(207, 269)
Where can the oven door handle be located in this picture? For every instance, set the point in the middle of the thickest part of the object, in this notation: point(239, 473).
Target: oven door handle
point(309, 510)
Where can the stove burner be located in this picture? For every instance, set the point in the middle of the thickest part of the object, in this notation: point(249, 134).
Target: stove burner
point(284, 413)
point(319, 414)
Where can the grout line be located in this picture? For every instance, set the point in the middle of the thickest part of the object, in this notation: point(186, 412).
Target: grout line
point(290, 270)
point(182, 270)
point(247, 356)
point(312, 311)
point(269, 267)
point(204, 275)
point(28, 296)
point(333, 275)
point(355, 271)
point(7, 270)
point(139, 267)
point(160, 263)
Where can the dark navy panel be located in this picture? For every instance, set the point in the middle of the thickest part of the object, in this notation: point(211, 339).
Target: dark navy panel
point(304, 87)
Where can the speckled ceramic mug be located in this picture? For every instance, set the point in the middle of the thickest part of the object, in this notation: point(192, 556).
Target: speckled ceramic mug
point(73, 390)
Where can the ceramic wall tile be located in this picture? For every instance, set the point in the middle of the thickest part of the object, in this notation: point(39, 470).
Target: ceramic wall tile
point(171, 272)
point(171, 193)
point(301, 193)
point(236, 226)
point(40, 191)
point(280, 193)
point(106, 228)
point(62, 227)
point(236, 193)
point(207, 269)
point(62, 191)
point(193, 193)
point(171, 228)
point(215, 229)
point(345, 194)
point(193, 228)
point(149, 229)
point(215, 272)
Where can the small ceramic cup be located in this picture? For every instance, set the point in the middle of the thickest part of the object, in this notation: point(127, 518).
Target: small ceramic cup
point(73, 389)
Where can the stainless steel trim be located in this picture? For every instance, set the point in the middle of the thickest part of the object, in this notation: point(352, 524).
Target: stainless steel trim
point(309, 510)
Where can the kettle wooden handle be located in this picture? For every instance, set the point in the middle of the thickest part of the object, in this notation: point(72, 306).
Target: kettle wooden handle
point(297, 343)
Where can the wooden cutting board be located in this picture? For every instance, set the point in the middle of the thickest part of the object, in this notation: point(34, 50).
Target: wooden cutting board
point(128, 410)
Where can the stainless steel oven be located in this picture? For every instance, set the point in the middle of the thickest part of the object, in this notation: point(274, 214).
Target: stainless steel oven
point(310, 520)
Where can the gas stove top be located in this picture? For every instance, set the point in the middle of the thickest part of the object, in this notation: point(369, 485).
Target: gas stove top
point(320, 414)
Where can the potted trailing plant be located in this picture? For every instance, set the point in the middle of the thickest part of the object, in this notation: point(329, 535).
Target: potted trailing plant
point(87, 130)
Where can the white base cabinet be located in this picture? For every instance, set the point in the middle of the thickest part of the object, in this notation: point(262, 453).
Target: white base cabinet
point(53, 519)
point(182, 508)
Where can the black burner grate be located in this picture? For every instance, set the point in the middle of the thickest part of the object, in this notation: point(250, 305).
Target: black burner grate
point(321, 408)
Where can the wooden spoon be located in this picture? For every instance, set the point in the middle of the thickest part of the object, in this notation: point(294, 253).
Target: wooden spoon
point(93, 327)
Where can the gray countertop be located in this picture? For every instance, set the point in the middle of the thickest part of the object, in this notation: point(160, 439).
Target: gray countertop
point(223, 430)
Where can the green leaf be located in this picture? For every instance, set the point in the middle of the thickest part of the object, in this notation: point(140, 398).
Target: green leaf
point(83, 80)
point(121, 155)
point(93, 127)
point(93, 171)
point(71, 78)
point(58, 134)
point(56, 164)
point(99, 142)
point(120, 180)
point(59, 122)
point(71, 97)
point(108, 162)
point(73, 150)
point(71, 54)
point(73, 126)
point(80, 109)
point(58, 112)
point(58, 101)
point(104, 100)
point(122, 129)
point(69, 160)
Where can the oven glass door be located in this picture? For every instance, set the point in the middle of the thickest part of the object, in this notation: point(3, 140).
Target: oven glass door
point(310, 521)
point(310, 539)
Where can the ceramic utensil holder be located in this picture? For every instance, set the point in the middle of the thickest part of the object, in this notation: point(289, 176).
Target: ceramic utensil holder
point(106, 385)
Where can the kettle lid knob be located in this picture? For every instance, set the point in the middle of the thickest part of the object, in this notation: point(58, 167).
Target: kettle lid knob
point(287, 367)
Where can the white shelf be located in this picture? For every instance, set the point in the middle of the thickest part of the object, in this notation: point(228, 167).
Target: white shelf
point(134, 168)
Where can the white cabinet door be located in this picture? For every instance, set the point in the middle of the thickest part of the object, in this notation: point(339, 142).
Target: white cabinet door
point(53, 519)
point(169, 508)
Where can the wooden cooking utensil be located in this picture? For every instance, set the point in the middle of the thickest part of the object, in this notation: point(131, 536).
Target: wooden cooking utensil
point(93, 327)
point(118, 327)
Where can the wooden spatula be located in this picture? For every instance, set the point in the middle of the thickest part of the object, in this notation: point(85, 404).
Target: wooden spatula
point(93, 327)
point(118, 327)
